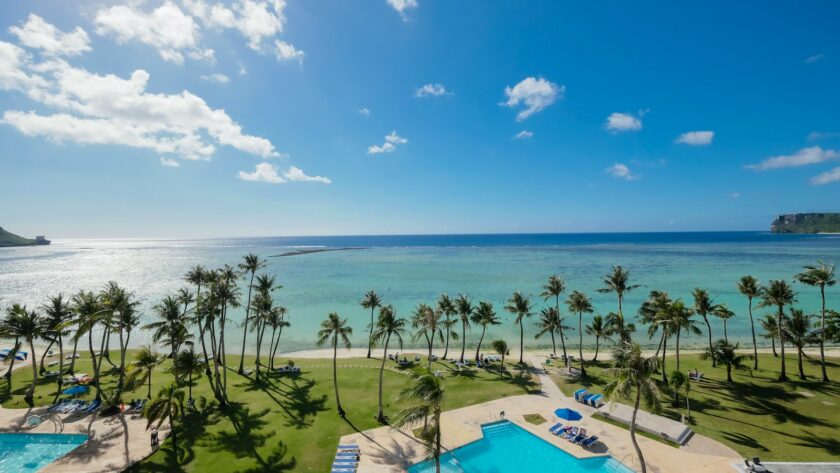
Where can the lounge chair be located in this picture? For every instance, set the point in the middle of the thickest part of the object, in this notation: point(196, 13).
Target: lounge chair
point(58, 404)
point(579, 437)
point(554, 428)
point(51, 374)
point(585, 398)
point(571, 433)
point(248, 372)
point(52, 363)
point(580, 393)
point(433, 357)
point(586, 443)
point(347, 456)
point(343, 470)
point(139, 406)
point(93, 407)
point(348, 447)
point(417, 358)
point(596, 400)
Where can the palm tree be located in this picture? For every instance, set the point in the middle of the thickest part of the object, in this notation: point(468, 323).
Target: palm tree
point(144, 363)
point(551, 323)
point(798, 330)
point(426, 397)
point(264, 309)
point(197, 276)
point(704, 306)
point(655, 313)
point(25, 324)
point(427, 322)
point(680, 381)
point(749, 287)
point(579, 303)
point(227, 294)
point(820, 275)
point(464, 307)
point(681, 320)
point(169, 404)
point(634, 373)
point(618, 282)
point(58, 317)
point(779, 294)
point(447, 308)
point(501, 348)
point(89, 314)
point(553, 288)
point(484, 315)
point(371, 301)
point(9, 328)
point(251, 264)
point(277, 321)
point(771, 331)
point(722, 312)
point(189, 363)
point(387, 325)
point(333, 329)
point(598, 330)
point(519, 306)
point(728, 355)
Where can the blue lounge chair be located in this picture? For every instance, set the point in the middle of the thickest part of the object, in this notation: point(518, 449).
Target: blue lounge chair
point(348, 446)
point(579, 437)
point(554, 428)
point(57, 404)
point(585, 398)
point(347, 457)
point(94, 405)
point(586, 443)
point(596, 400)
point(571, 433)
point(580, 393)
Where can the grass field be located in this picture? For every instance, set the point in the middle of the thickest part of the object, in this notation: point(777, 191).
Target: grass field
point(756, 415)
point(282, 423)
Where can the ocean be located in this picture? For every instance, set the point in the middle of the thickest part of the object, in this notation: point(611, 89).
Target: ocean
point(407, 270)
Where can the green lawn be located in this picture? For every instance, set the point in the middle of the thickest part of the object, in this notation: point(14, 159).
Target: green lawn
point(756, 415)
point(284, 423)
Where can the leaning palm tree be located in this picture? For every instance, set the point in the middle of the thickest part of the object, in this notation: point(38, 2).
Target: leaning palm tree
point(779, 294)
point(58, 316)
point(168, 405)
point(749, 287)
point(680, 381)
point(597, 329)
point(26, 324)
point(633, 379)
point(729, 356)
point(144, 363)
point(553, 288)
point(579, 303)
point(680, 321)
point(501, 348)
point(771, 331)
point(464, 307)
point(170, 322)
point(820, 275)
point(484, 315)
point(371, 301)
point(9, 328)
point(388, 325)
point(189, 363)
point(427, 322)
point(722, 312)
point(704, 306)
point(425, 397)
point(798, 330)
point(654, 312)
point(520, 306)
point(197, 276)
point(333, 330)
point(250, 265)
point(447, 308)
point(618, 281)
point(550, 323)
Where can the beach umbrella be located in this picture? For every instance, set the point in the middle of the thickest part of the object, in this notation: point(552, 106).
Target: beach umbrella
point(75, 390)
point(568, 414)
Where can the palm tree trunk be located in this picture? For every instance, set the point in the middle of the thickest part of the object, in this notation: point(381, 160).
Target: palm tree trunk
point(481, 339)
point(189, 382)
point(755, 345)
point(521, 340)
point(678, 350)
point(60, 366)
point(463, 337)
point(93, 359)
point(502, 367)
point(431, 347)
point(597, 340)
point(580, 344)
point(149, 394)
point(562, 336)
point(822, 337)
point(44, 355)
point(687, 402)
point(107, 350)
point(259, 346)
point(335, 379)
point(13, 354)
point(31, 392)
point(782, 374)
point(658, 347)
point(446, 348)
point(437, 440)
point(271, 348)
point(664, 350)
point(380, 416)
point(728, 372)
point(773, 344)
point(370, 332)
point(801, 372)
point(122, 364)
point(73, 358)
point(223, 352)
point(725, 335)
point(201, 329)
point(553, 345)
point(245, 328)
point(711, 349)
point(633, 430)
point(276, 344)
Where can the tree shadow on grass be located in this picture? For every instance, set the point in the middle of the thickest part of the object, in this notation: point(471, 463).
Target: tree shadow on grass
point(275, 462)
point(525, 381)
point(294, 397)
point(744, 440)
point(246, 436)
point(830, 445)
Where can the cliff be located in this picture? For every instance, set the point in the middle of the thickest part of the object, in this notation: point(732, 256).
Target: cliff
point(807, 223)
point(10, 239)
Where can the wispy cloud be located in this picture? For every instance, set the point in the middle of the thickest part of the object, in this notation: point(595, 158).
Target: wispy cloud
point(533, 93)
point(268, 173)
point(735, 195)
point(524, 135)
point(826, 177)
point(814, 58)
point(620, 122)
point(171, 163)
point(390, 144)
point(402, 6)
point(696, 138)
point(822, 135)
point(431, 90)
point(217, 78)
point(364, 111)
point(287, 52)
point(803, 157)
point(621, 171)
point(38, 34)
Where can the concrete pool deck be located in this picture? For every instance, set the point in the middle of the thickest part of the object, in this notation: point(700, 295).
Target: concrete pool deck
point(387, 450)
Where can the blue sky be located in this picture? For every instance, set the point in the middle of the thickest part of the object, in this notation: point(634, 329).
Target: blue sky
point(481, 116)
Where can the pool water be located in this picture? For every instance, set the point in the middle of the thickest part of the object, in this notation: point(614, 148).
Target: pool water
point(27, 453)
point(508, 448)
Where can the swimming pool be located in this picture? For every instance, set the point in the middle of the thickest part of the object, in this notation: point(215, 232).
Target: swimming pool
point(28, 453)
point(508, 448)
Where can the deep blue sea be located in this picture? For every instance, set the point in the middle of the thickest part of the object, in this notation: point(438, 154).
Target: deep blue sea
point(410, 269)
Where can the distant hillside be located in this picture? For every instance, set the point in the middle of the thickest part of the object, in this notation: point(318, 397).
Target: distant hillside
point(10, 239)
point(807, 223)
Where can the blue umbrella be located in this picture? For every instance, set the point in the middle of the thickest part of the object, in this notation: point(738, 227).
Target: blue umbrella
point(568, 414)
point(76, 390)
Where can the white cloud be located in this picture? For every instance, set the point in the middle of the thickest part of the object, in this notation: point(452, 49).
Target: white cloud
point(822, 135)
point(171, 163)
point(256, 20)
point(167, 28)
point(267, 172)
point(803, 157)
point(38, 34)
point(431, 90)
point(735, 195)
point(242, 70)
point(524, 135)
point(364, 111)
point(826, 177)
point(287, 52)
point(390, 144)
point(402, 5)
point(696, 138)
point(618, 122)
point(814, 58)
point(218, 78)
point(534, 94)
point(622, 172)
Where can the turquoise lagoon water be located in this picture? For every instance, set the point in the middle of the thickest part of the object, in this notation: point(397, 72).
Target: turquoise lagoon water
point(407, 270)
point(508, 448)
point(24, 453)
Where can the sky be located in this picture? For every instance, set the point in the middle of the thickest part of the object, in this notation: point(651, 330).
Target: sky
point(201, 118)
